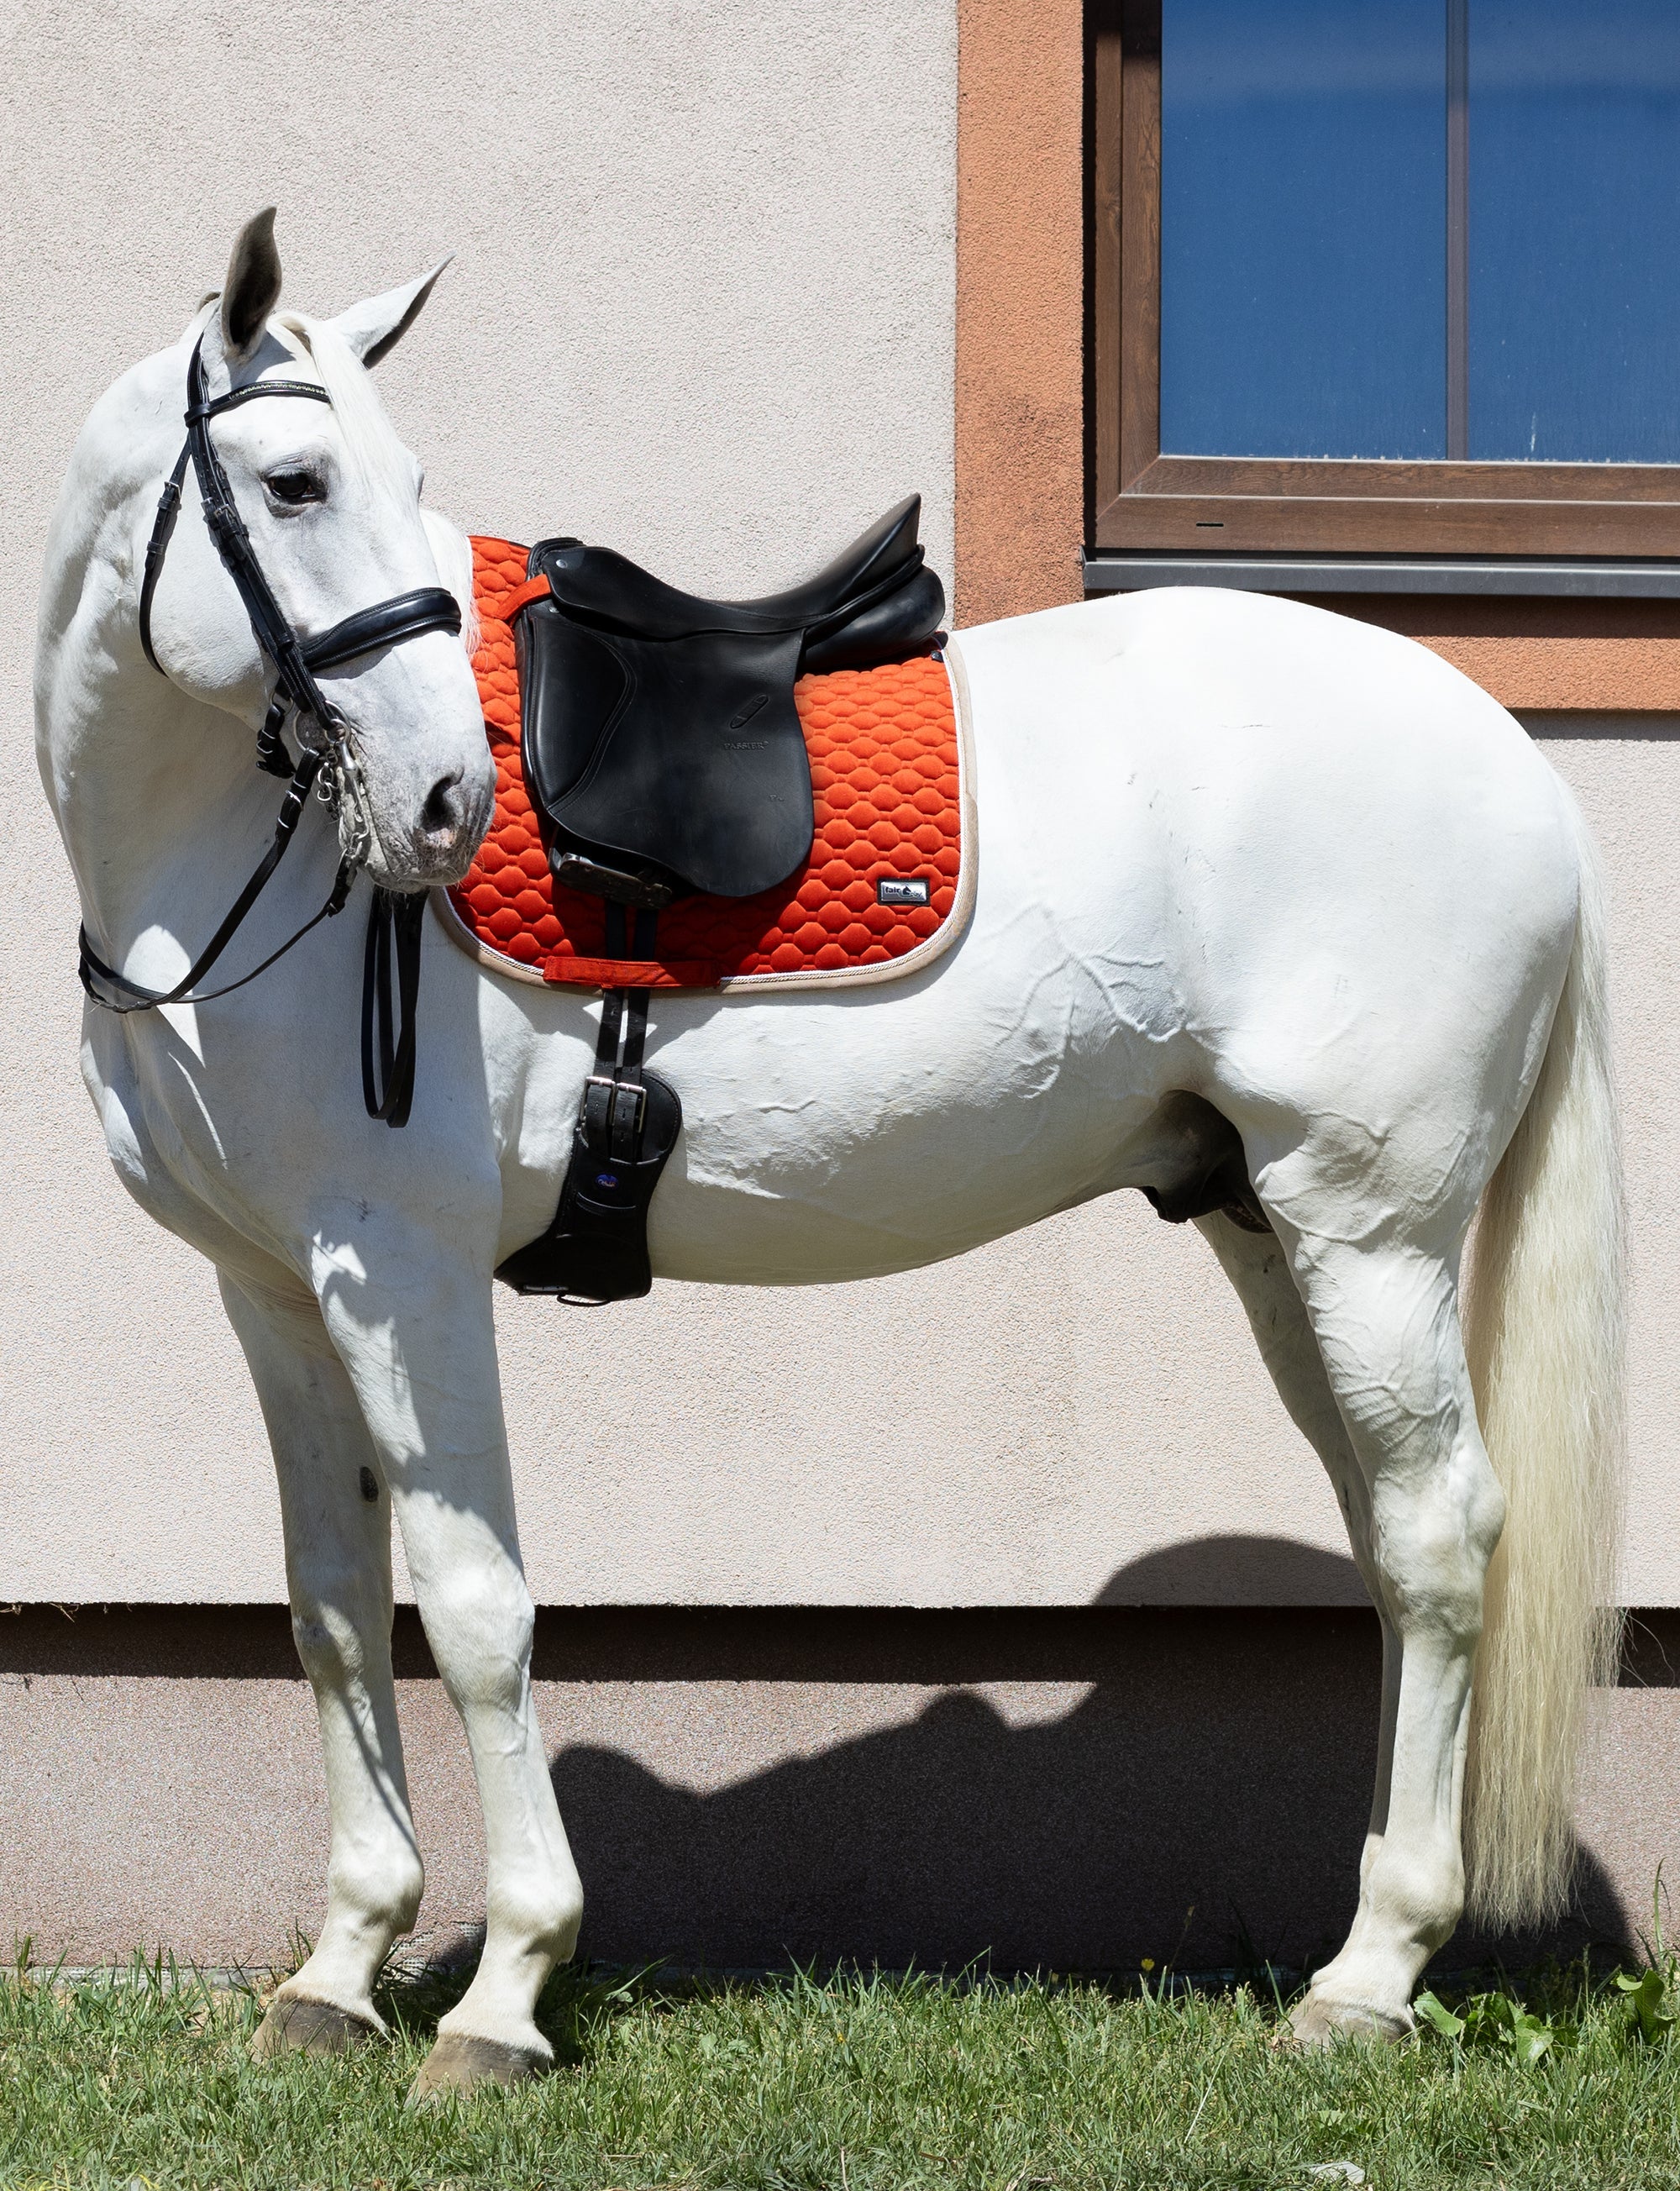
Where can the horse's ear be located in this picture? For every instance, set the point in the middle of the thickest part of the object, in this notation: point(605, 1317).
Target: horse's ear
point(377, 324)
point(252, 289)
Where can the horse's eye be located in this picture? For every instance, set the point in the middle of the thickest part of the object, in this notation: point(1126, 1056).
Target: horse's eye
point(295, 487)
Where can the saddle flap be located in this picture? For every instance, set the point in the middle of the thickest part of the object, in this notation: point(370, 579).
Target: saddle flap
point(685, 755)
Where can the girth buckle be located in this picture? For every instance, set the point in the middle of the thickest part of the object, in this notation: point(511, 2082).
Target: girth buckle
point(595, 1249)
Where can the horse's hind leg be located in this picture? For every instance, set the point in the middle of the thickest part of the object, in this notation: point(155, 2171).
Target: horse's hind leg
point(1385, 1315)
point(337, 1518)
point(1258, 1269)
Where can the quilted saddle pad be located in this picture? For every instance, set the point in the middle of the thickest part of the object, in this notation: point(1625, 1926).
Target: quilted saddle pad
point(894, 822)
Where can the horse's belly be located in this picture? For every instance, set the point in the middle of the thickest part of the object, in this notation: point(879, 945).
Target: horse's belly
point(784, 1194)
point(890, 1201)
point(899, 1127)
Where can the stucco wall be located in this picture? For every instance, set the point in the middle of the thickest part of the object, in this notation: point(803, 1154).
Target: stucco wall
point(1052, 1789)
point(1020, 305)
point(706, 307)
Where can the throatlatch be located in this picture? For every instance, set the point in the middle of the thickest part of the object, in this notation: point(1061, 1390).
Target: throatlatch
point(595, 1250)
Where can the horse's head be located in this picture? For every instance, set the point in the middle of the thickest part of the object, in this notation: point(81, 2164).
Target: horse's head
point(331, 501)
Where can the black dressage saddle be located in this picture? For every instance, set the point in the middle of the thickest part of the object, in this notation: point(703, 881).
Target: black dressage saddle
point(662, 746)
point(663, 753)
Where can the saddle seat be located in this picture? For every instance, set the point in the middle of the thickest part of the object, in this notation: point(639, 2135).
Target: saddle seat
point(600, 583)
point(660, 738)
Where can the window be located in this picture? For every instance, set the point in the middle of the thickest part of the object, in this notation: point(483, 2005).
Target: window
point(1387, 277)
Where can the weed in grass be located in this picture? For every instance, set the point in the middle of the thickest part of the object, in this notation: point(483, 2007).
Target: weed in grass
point(847, 2083)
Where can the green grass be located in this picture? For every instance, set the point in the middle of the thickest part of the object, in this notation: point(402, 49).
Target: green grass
point(855, 2083)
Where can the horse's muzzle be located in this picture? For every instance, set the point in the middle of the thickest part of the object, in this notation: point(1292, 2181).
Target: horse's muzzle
point(437, 844)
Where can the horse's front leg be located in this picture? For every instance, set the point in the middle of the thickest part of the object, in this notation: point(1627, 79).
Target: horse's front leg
point(409, 1313)
point(336, 1522)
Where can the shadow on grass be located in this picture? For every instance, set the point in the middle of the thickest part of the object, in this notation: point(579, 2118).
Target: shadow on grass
point(574, 2010)
point(581, 2002)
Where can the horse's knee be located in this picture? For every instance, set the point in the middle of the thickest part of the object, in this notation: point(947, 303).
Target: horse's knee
point(480, 1622)
point(331, 1640)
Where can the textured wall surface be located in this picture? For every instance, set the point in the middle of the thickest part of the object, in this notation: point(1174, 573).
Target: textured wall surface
point(1544, 653)
point(1020, 305)
point(705, 307)
point(1058, 1789)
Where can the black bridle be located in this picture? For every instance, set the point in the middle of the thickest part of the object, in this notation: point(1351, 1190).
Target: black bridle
point(329, 767)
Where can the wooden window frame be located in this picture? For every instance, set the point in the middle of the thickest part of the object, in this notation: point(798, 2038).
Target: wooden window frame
point(1143, 500)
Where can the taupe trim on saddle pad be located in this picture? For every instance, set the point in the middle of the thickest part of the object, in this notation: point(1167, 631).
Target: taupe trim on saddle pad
point(932, 946)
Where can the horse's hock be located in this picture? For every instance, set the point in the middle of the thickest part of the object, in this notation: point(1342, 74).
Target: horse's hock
point(992, 1605)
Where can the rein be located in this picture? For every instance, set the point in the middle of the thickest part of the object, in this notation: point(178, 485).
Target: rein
point(329, 768)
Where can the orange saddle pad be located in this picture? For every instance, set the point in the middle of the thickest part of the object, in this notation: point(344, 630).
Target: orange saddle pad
point(890, 786)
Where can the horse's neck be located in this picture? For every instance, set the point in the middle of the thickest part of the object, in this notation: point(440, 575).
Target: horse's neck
point(155, 796)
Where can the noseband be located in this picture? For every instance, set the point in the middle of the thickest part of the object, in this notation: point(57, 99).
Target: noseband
point(330, 766)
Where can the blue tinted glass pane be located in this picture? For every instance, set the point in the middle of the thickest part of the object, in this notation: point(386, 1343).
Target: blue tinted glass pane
point(1574, 228)
point(1303, 228)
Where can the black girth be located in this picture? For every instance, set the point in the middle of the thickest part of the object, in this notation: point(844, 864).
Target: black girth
point(595, 1250)
point(330, 766)
point(664, 752)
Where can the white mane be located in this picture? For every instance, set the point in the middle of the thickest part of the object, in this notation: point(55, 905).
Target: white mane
point(382, 462)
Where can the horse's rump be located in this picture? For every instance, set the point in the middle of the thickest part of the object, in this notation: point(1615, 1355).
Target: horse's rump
point(886, 887)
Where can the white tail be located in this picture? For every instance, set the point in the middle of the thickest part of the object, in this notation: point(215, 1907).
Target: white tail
point(1545, 1335)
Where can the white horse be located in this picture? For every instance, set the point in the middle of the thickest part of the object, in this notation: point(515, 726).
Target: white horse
point(1231, 849)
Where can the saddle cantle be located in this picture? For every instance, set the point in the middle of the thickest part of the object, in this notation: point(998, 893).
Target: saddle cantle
point(660, 739)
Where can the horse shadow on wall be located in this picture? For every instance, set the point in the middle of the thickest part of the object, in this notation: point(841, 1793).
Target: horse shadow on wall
point(1198, 1792)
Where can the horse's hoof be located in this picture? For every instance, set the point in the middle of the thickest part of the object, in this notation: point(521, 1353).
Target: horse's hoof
point(296, 2025)
point(1316, 2022)
point(458, 2063)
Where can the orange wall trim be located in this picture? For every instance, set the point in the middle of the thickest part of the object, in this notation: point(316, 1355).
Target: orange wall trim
point(1617, 655)
point(1020, 396)
point(1020, 392)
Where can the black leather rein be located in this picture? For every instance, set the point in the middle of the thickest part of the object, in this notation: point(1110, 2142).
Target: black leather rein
point(295, 660)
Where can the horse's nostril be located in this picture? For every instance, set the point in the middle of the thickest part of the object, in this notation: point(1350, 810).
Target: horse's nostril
point(441, 812)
